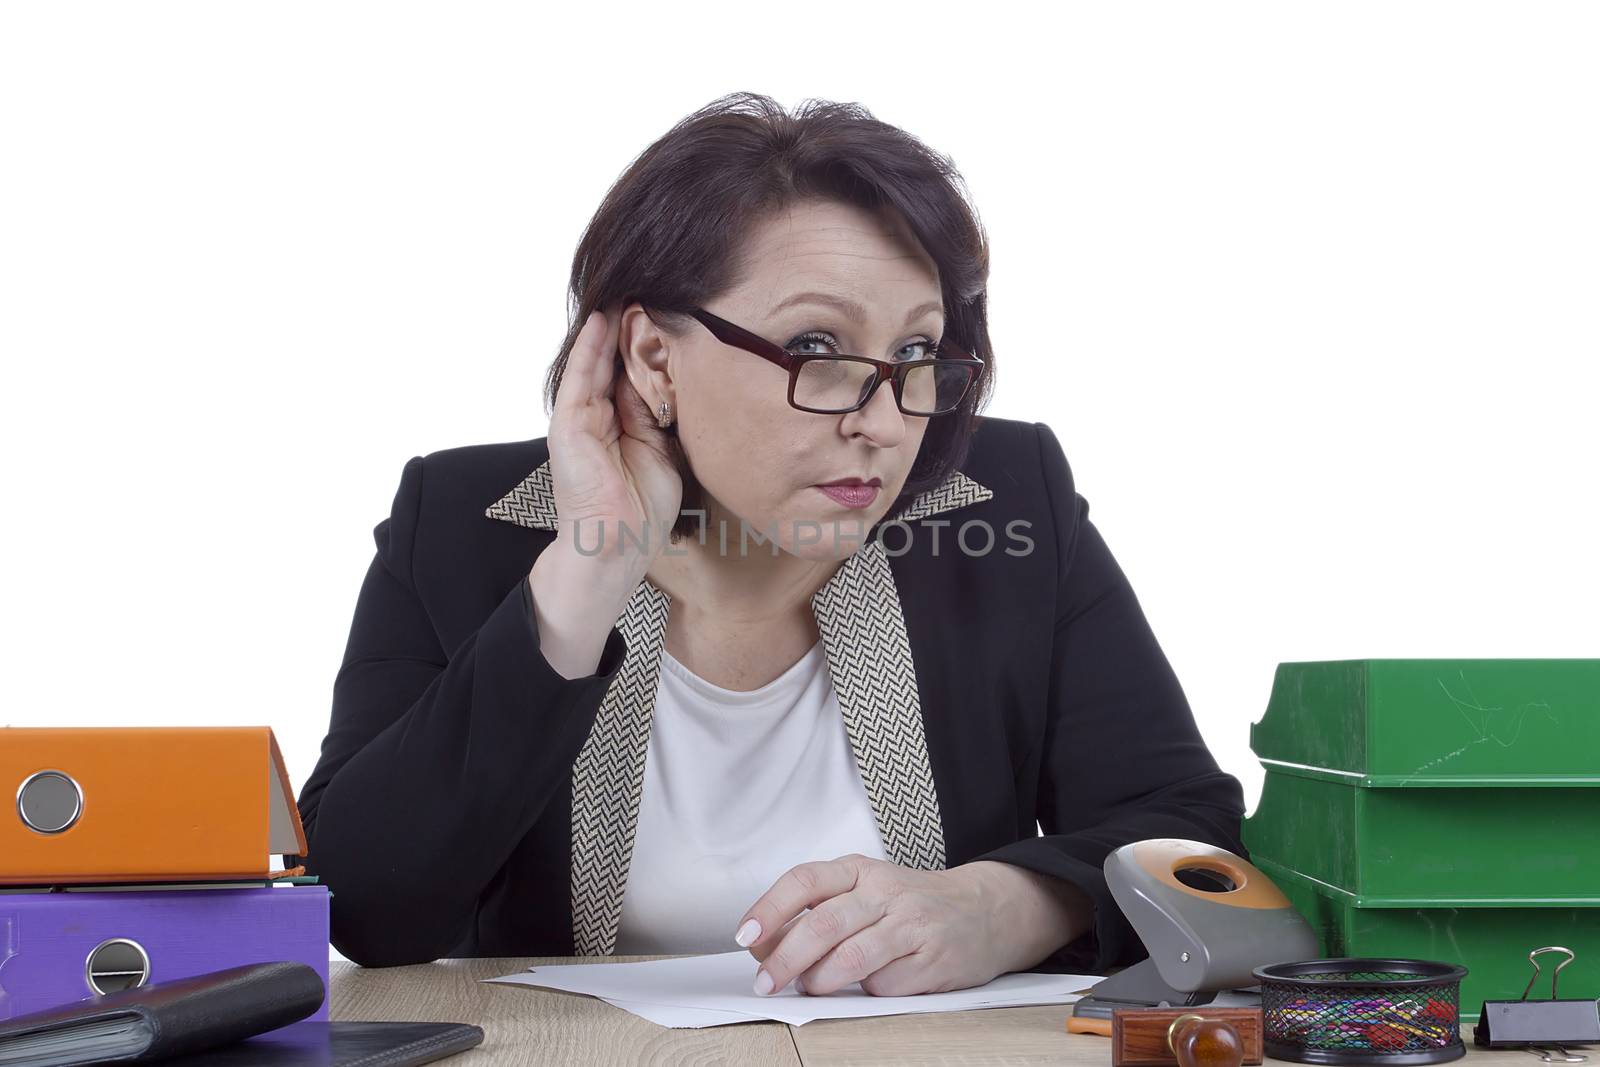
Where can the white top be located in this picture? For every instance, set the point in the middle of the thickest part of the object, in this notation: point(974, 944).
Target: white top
point(738, 788)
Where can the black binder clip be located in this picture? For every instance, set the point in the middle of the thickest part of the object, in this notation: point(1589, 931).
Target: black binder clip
point(1543, 1027)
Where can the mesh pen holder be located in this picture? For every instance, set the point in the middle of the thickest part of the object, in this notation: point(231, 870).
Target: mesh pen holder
point(1374, 1011)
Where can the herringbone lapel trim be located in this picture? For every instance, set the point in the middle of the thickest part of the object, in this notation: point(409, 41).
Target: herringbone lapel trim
point(608, 777)
point(875, 680)
point(863, 631)
point(956, 491)
point(530, 503)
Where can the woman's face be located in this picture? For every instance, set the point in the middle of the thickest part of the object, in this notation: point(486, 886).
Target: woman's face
point(760, 459)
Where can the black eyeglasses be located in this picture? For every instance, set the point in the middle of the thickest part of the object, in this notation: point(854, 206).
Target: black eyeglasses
point(835, 384)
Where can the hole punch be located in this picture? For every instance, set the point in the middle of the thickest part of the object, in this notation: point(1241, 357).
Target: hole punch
point(1206, 879)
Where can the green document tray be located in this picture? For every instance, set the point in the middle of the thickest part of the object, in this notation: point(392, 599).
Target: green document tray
point(1436, 722)
point(1457, 847)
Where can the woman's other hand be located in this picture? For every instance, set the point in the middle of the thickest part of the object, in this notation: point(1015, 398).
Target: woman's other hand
point(901, 932)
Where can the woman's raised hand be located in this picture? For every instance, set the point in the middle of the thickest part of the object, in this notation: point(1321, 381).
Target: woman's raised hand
point(611, 465)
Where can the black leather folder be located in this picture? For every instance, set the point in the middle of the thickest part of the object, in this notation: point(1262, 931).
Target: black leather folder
point(254, 1014)
point(341, 1044)
point(163, 1019)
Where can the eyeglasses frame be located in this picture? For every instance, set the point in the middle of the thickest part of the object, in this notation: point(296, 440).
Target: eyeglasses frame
point(733, 334)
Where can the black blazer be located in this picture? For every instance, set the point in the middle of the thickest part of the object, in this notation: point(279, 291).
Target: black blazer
point(471, 801)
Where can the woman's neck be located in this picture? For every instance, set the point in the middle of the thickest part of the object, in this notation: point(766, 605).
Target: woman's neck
point(755, 587)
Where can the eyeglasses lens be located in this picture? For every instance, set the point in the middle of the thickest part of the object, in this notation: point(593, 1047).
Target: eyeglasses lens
point(932, 387)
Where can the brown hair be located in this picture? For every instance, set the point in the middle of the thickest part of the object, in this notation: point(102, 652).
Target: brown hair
point(671, 229)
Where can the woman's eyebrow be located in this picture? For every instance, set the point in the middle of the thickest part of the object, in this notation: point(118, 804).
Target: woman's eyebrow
point(853, 310)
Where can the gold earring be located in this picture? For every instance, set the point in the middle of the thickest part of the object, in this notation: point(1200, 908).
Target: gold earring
point(664, 418)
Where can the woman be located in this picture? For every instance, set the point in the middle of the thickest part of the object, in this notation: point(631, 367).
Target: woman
point(772, 642)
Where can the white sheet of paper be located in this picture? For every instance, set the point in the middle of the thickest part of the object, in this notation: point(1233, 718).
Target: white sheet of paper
point(715, 989)
point(673, 1015)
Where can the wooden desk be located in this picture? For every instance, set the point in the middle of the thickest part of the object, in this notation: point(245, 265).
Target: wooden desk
point(525, 1025)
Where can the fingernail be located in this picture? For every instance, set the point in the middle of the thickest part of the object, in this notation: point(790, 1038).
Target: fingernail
point(799, 986)
point(763, 983)
point(747, 933)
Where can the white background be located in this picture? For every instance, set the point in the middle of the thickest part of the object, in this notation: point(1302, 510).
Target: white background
point(1307, 291)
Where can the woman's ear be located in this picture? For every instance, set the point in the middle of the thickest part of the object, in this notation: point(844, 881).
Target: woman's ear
point(644, 349)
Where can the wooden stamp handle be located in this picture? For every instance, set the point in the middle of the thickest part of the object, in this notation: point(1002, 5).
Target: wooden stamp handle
point(1200, 1036)
point(1199, 1042)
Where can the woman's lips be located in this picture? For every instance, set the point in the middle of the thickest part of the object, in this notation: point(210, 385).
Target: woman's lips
point(851, 496)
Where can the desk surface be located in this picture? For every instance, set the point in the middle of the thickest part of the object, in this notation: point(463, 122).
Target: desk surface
point(526, 1025)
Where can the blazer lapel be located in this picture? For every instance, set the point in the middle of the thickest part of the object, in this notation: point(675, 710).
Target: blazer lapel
point(863, 629)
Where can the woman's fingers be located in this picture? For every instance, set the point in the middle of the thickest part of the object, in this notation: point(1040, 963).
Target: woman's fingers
point(764, 949)
point(587, 377)
point(605, 354)
point(577, 377)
